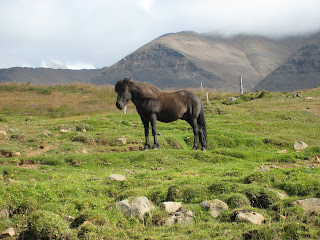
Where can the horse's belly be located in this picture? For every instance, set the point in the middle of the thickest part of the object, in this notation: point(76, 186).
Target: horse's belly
point(168, 117)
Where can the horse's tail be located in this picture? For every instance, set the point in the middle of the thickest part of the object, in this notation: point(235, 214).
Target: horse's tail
point(202, 131)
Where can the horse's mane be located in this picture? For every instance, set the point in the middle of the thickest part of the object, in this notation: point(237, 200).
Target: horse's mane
point(143, 90)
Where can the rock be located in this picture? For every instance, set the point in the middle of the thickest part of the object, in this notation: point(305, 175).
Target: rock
point(183, 216)
point(231, 99)
point(296, 95)
point(309, 98)
point(16, 154)
point(310, 205)
point(3, 133)
point(8, 233)
point(116, 177)
point(280, 194)
point(68, 218)
point(252, 217)
point(138, 207)
point(63, 130)
point(299, 145)
point(282, 151)
point(215, 207)
point(4, 213)
point(171, 207)
point(125, 207)
point(122, 141)
point(47, 133)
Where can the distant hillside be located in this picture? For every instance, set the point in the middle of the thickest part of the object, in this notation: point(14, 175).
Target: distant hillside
point(300, 71)
point(46, 75)
point(185, 59)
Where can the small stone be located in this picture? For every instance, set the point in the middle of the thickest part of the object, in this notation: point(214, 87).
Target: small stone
point(116, 177)
point(47, 133)
point(317, 160)
point(122, 140)
point(299, 145)
point(68, 218)
point(3, 133)
point(4, 213)
point(16, 154)
point(283, 151)
point(252, 217)
point(280, 194)
point(231, 99)
point(171, 207)
point(8, 233)
point(65, 130)
point(84, 151)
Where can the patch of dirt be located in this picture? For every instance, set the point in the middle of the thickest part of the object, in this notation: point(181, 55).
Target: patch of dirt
point(38, 152)
point(307, 164)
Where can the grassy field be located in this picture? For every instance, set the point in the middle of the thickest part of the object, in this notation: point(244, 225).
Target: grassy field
point(58, 145)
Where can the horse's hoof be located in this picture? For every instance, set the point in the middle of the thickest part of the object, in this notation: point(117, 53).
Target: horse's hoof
point(203, 149)
point(146, 148)
point(194, 148)
point(155, 147)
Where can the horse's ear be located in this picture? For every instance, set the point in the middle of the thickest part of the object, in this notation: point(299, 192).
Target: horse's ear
point(126, 80)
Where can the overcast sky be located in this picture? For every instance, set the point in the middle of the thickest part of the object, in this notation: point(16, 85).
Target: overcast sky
point(97, 33)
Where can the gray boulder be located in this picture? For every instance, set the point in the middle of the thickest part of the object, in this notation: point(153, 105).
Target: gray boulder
point(138, 207)
point(215, 207)
point(183, 216)
point(171, 207)
point(310, 205)
point(299, 145)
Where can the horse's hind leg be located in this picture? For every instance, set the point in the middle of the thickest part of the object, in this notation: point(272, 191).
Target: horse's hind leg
point(195, 128)
point(154, 131)
point(146, 134)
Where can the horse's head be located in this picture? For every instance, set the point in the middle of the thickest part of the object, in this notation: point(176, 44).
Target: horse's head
point(124, 94)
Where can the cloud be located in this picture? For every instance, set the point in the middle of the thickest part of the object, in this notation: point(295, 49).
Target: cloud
point(100, 32)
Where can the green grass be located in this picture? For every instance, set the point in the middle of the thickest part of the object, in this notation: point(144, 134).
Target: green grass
point(53, 174)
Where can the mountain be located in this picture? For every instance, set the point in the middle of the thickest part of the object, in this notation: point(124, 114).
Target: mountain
point(185, 59)
point(47, 75)
point(300, 71)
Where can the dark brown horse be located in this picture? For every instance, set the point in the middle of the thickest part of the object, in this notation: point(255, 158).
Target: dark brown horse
point(153, 104)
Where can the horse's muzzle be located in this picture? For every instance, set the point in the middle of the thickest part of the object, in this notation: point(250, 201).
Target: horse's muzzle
point(118, 106)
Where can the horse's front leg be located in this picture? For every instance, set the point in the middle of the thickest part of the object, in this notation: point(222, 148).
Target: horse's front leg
point(146, 134)
point(153, 121)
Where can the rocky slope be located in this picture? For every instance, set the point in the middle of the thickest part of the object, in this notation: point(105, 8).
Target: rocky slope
point(186, 59)
point(300, 71)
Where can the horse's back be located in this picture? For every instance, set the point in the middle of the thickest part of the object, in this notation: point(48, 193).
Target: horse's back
point(177, 105)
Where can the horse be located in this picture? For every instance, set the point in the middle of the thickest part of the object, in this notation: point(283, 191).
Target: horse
point(152, 104)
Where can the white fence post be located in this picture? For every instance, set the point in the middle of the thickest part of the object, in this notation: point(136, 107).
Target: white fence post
point(241, 86)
